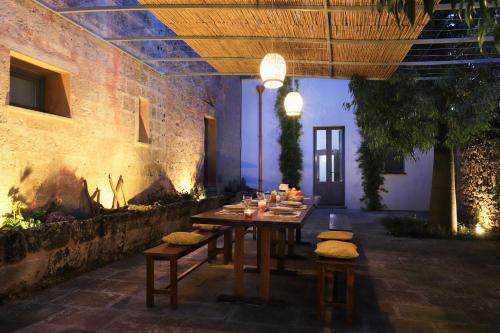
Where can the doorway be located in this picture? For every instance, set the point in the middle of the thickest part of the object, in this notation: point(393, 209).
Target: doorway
point(329, 165)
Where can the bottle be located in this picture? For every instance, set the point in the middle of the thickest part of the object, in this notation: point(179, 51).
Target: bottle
point(332, 221)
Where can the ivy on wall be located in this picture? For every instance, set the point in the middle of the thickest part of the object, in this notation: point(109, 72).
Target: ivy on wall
point(290, 159)
point(371, 163)
point(479, 188)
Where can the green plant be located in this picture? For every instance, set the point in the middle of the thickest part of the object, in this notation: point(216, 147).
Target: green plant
point(403, 115)
point(16, 220)
point(421, 228)
point(290, 159)
point(198, 192)
point(466, 11)
point(371, 163)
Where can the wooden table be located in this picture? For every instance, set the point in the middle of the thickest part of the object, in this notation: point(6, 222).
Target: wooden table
point(265, 223)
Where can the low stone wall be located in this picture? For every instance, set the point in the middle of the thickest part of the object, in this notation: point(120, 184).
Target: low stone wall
point(43, 256)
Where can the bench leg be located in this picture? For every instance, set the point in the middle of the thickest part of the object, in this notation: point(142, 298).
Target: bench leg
point(228, 246)
point(321, 292)
point(173, 283)
point(150, 282)
point(349, 295)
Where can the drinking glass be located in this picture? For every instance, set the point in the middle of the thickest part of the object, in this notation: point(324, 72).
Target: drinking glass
point(247, 199)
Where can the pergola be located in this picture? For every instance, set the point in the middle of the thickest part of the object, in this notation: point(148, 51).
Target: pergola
point(318, 38)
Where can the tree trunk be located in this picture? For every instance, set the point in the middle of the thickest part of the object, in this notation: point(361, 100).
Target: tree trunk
point(443, 205)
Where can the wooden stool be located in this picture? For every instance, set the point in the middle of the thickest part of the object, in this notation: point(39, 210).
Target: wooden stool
point(333, 265)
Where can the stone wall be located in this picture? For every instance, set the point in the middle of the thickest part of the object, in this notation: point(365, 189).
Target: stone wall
point(479, 192)
point(39, 257)
point(45, 155)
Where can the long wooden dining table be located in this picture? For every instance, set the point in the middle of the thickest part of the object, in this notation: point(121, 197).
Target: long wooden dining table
point(265, 222)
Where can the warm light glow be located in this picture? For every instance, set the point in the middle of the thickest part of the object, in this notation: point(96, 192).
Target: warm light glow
point(273, 70)
point(294, 104)
point(479, 229)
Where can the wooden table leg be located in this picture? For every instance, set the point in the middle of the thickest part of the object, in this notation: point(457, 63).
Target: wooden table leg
point(291, 241)
point(265, 258)
point(281, 248)
point(228, 246)
point(239, 260)
point(150, 281)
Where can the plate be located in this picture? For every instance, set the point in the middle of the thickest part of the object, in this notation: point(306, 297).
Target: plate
point(292, 203)
point(234, 207)
point(283, 209)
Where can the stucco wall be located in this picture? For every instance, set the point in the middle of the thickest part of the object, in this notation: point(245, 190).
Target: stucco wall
point(323, 100)
point(42, 156)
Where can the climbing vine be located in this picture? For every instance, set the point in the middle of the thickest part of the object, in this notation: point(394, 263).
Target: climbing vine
point(290, 159)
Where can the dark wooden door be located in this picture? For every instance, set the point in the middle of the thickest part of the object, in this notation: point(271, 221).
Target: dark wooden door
point(329, 165)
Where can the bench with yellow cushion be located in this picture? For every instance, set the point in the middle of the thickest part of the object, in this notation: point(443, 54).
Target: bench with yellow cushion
point(336, 257)
point(177, 245)
point(335, 235)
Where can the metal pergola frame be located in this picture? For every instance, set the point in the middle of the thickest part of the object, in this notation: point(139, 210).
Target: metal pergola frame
point(300, 8)
point(329, 41)
point(302, 40)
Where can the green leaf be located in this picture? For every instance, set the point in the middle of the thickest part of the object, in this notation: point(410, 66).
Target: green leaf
point(485, 14)
point(409, 9)
point(429, 7)
point(496, 36)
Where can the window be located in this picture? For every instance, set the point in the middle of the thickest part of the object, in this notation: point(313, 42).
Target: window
point(27, 89)
point(37, 88)
point(144, 135)
point(394, 164)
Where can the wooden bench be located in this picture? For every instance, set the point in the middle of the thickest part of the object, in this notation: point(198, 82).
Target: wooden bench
point(326, 268)
point(173, 253)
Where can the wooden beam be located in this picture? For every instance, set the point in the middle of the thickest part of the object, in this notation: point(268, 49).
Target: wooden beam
point(304, 40)
point(296, 8)
point(328, 35)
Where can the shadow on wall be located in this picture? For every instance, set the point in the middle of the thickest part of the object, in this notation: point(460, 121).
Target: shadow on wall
point(160, 187)
point(61, 183)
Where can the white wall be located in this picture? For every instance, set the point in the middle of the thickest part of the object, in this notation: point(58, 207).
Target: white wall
point(323, 100)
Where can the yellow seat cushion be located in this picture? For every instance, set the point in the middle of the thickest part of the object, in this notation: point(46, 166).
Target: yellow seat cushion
point(336, 235)
point(337, 249)
point(183, 238)
point(206, 226)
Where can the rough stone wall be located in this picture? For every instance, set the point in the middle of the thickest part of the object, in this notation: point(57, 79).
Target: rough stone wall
point(229, 133)
point(44, 156)
point(39, 257)
point(479, 191)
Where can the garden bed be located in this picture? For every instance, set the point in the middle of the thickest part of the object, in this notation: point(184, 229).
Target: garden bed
point(38, 257)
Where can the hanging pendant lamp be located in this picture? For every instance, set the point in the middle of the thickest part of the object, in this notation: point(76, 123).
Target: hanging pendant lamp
point(294, 104)
point(273, 70)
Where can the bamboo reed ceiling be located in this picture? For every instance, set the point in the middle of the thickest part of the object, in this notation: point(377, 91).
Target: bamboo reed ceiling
point(352, 25)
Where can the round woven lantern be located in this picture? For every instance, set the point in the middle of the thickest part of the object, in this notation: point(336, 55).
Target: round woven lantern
point(273, 70)
point(293, 104)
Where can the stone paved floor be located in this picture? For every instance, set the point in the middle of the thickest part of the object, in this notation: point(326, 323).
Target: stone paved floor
point(402, 285)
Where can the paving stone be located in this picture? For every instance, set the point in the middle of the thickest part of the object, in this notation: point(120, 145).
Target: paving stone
point(83, 318)
point(89, 299)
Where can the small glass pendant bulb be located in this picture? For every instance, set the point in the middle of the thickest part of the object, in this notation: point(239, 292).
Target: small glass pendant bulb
point(294, 104)
point(273, 70)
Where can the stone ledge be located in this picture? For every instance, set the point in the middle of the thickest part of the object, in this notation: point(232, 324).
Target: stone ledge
point(42, 256)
